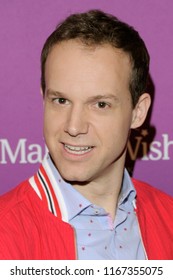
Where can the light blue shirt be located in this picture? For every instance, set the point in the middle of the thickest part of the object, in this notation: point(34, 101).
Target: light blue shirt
point(98, 237)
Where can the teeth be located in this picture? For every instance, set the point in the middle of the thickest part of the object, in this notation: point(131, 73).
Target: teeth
point(77, 150)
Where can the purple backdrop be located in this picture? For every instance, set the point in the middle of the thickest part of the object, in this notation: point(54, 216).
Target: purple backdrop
point(24, 27)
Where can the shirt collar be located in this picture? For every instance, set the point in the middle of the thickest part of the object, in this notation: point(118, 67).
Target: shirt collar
point(128, 192)
point(74, 201)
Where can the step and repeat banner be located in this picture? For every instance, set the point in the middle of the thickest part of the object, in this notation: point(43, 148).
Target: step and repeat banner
point(24, 26)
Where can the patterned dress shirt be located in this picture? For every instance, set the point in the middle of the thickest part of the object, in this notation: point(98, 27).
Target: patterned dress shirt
point(98, 237)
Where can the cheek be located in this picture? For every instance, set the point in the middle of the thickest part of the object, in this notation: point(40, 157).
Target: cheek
point(115, 134)
point(50, 123)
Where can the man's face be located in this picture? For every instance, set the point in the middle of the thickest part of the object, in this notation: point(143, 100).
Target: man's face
point(87, 110)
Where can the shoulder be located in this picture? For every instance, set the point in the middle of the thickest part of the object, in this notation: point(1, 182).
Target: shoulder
point(149, 194)
point(154, 210)
point(13, 198)
point(27, 228)
point(14, 208)
point(147, 189)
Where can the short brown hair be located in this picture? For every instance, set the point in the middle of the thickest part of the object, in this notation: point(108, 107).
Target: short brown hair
point(95, 28)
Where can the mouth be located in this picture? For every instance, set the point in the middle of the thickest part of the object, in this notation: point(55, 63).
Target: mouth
point(77, 150)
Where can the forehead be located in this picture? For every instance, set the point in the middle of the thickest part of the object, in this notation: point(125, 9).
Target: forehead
point(74, 47)
point(72, 62)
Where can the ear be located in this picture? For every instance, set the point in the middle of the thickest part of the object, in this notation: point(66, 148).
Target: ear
point(140, 111)
point(41, 92)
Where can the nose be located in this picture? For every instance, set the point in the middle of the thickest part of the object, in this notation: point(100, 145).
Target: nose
point(77, 121)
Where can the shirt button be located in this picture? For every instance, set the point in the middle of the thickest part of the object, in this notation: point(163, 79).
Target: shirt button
point(96, 211)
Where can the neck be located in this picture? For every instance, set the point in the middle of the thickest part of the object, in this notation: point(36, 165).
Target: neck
point(103, 192)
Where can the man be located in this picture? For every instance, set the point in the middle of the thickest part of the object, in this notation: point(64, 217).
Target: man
point(82, 204)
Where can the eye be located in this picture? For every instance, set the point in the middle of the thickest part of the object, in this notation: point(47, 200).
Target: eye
point(60, 100)
point(102, 105)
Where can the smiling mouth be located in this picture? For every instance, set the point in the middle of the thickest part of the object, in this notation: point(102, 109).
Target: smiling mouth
point(77, 150)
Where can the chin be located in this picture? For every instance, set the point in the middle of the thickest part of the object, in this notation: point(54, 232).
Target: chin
point(71, 171)
point(74, 177)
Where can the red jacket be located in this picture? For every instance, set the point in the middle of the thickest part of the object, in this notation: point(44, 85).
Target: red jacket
point(28, 230)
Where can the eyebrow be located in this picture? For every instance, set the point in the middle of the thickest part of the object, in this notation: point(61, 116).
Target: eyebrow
point(103, 96)
point(54, 93)
point(94, 98)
